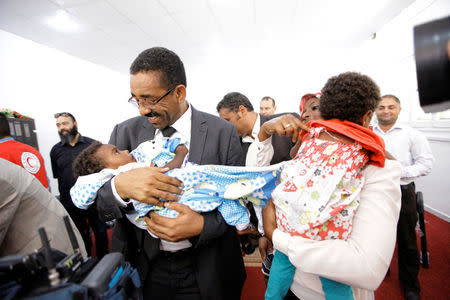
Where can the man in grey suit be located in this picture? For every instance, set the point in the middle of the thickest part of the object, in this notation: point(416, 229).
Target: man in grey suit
point(25, 207)
point(209, 265)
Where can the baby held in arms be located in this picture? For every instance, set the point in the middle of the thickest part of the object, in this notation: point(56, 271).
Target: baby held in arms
point(205, 187)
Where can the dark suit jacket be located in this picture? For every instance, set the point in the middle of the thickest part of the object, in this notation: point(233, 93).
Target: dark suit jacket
point(219, 266)
point(281, 144)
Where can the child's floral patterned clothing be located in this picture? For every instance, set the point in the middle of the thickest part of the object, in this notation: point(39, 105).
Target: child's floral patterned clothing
point(318, 193)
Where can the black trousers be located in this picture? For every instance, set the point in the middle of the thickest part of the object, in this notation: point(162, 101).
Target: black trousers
point(172, 277)
point(408, 254)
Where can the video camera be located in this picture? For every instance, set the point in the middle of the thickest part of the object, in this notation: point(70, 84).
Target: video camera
point(432, 54)
point(50, 274)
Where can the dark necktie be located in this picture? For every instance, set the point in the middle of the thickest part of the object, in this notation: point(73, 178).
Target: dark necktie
point(168, 131)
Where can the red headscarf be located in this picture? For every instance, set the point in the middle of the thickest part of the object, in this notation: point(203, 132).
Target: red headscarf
point(364, 136)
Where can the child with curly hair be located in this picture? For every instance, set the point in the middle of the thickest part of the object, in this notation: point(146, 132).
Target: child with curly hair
point(319, 189)
point(99, 162)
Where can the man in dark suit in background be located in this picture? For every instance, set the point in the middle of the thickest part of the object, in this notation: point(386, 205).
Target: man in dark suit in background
point(210, 265)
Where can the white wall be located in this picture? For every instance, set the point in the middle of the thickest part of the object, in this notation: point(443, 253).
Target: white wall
point(38, 81)
point(389, 60)
point(435, 187)
point(280, 71)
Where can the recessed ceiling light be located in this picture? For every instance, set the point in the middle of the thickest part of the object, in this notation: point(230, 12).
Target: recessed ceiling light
point(63, 22)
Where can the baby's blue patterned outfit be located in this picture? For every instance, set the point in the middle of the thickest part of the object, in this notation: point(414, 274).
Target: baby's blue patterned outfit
point(206, 187)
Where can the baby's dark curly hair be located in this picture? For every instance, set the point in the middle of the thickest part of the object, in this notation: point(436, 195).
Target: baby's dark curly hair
point(348, 96)
point(86, 162)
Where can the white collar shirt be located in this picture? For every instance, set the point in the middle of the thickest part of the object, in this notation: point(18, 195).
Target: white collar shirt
point(182, 126)
point(409, 147)
point(259, 153)
point(255, 131)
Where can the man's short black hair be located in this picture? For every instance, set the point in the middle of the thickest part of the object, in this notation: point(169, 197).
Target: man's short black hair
point(86, 162)
point(348, 96)
point(391, 96)
point(4, 126)
point(233, 100)
point(163, 60)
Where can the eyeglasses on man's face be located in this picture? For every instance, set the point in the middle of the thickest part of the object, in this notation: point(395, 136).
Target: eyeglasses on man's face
point(147, 102)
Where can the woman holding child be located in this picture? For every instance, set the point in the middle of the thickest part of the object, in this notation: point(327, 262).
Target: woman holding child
point(328, 257)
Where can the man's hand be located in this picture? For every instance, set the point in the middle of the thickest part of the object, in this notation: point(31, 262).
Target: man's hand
point(264, 245)
point(187, 224)
point(283, 125)
point(269, 219)
point(146, 184)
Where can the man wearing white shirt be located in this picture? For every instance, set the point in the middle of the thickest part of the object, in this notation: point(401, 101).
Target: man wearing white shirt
point(411, 149)
point(275, 148)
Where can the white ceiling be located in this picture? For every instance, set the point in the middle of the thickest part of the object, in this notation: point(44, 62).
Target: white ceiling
point(112, 32)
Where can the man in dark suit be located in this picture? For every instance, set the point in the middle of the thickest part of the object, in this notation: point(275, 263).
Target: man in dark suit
point(209, 264)
point(279, 130)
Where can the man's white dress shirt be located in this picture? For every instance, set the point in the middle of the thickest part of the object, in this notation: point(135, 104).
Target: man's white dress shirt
point(409, 147)
point(259, 154)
